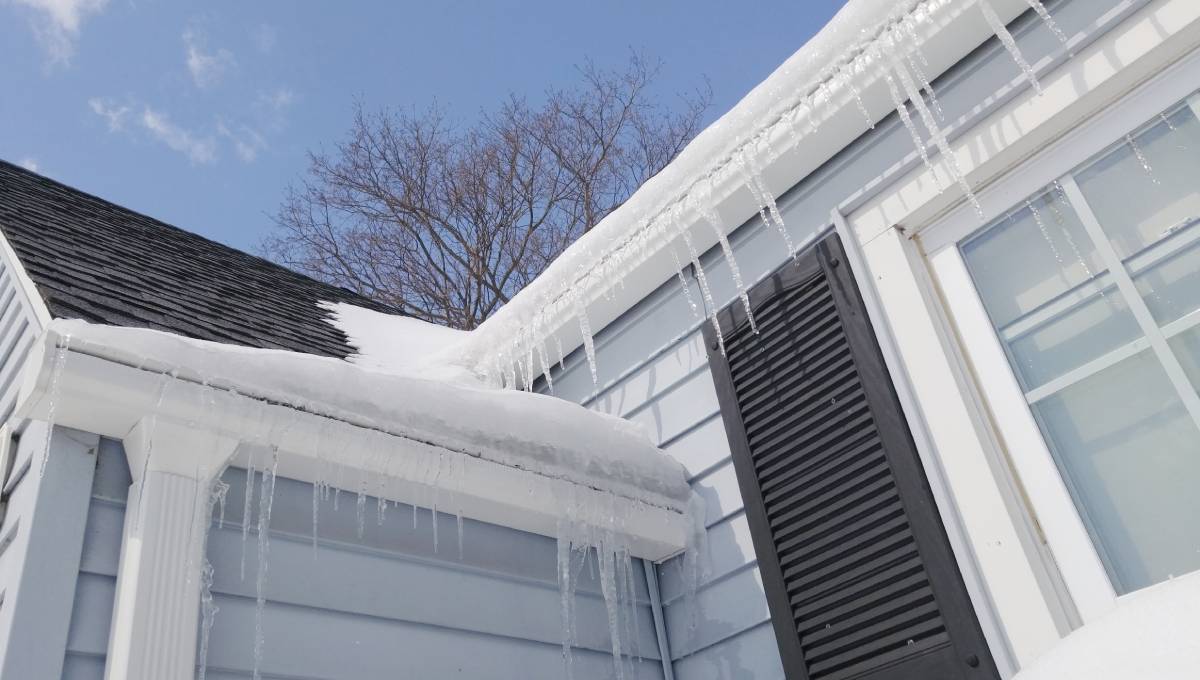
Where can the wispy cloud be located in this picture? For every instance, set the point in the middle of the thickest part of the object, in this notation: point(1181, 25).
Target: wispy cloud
point(56, 23)
point(198, 149)
point(29, 164)
point(112, 112)
point(207, 68)
point(247, 142)
point(265, 38)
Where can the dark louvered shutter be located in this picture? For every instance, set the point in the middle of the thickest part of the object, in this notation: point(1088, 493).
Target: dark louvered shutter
point(857, 569)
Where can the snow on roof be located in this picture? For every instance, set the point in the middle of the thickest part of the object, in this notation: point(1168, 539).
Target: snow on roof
point(402, 345)
point(534, 432)
point(816, 77)
point(1153, 634)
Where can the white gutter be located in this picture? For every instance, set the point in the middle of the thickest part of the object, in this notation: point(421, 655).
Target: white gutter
point(110, 392)
point(631, 242)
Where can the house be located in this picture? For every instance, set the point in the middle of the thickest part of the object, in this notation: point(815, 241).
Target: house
point(915, 326)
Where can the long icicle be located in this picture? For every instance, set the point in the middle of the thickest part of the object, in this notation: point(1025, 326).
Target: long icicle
point(709, 212)
point(60, 363)
point(935, 133)
point(585, 328)
point(902, 111)
point(265, 502)
point(683, 282)
point(1048, 20)
point(710, 305)
point(1010, 43)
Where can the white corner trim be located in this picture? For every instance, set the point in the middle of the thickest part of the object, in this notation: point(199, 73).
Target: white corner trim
point(112, 398)
point(154, 620)
point(25, 285)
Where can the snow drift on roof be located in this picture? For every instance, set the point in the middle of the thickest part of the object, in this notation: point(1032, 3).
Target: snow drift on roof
point(402, 345)
point(533, 432)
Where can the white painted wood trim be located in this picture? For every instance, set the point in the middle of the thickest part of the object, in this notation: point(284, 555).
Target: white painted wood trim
point(1022, 590)
point(157, 603)
point(1053, 506)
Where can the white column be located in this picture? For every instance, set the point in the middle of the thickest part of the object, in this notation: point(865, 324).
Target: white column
point(157, 604)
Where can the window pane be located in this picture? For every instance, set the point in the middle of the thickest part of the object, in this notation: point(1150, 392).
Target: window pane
point(1131, 456)
point(1146, 195)
point(1186, 346)
point(1046, 291)
point(1149, 184)
point(1171, 285)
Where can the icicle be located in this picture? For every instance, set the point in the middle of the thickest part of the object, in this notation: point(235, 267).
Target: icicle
point(586, 329)
point(266, 500)
point(862, 107)
point(458, 521)
point(246, 506)
point(562, 360)
point(1041, 225)
point(564, 590)
point(1048, 20)
point(545, 365)
point(1010, 44)
point(360, 510)
point(433, 513)
point(767, 209)
point(316, 497)
point(909, 125)
point(710, 305)
point(208, 614)
point(683, 283)
point(939, 137)
point(927, 86)
point(208, 608)
point(608, 588)
point(1141, 158)
point(56, 371)
point(1062, 223)
point(414, 508)
point(708, 211)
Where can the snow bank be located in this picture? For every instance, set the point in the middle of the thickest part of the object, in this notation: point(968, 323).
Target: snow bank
point(1153, 634)
point(533, 432)
point(402, 345)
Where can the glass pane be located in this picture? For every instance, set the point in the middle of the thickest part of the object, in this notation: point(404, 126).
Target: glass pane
point(1149, 185)
point(1046, 291)
point(1131, 456)
point(1171, 284)
point(1186, 346)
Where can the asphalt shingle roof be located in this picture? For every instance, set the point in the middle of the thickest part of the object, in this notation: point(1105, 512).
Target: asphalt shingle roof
point(97, 261)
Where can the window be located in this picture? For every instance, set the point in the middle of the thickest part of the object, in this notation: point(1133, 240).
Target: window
point(1092, 286)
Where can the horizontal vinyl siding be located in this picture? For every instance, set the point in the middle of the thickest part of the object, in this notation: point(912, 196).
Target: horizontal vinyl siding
point(388, 605)
point(91, 616)
point(653, 369)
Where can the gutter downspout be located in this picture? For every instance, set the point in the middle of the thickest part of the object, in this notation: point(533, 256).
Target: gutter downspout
point(660, 624)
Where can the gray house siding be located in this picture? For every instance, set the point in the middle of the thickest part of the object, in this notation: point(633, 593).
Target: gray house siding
point(389, 605)
point(653, 367)
point(91, 615)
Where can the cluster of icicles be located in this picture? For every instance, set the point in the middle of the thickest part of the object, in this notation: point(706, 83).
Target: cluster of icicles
point(590, 533)
point(894, 51)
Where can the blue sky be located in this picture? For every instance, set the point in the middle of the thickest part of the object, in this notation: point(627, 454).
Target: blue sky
point(200, 114)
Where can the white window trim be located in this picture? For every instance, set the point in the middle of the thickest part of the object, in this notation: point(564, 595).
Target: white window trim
point(1065, 532)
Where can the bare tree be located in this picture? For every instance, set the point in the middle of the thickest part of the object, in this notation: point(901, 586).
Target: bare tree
point(448, 224)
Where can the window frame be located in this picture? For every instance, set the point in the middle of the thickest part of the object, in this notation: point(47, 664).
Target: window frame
point(1045, 489)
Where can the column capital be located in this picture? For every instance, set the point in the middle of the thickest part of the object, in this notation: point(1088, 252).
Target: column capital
point(161, 444)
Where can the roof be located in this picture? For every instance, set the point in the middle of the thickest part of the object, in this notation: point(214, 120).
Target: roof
point(93, 260)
